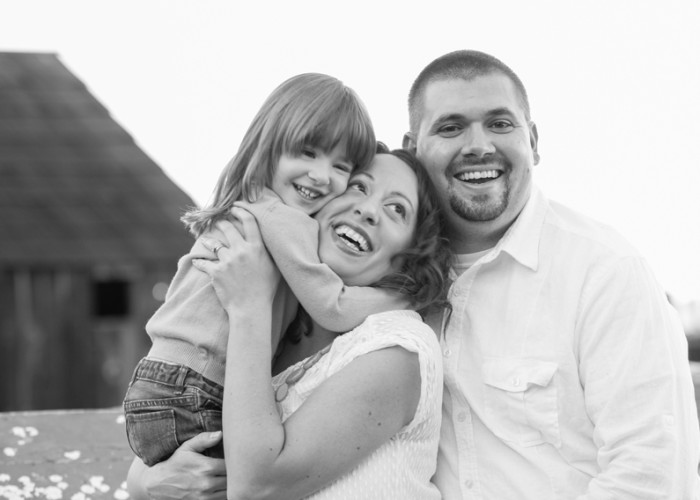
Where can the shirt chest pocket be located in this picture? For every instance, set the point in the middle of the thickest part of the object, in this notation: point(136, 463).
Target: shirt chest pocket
point(521, 400)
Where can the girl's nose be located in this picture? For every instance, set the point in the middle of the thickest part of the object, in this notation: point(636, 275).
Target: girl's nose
point(319, 176)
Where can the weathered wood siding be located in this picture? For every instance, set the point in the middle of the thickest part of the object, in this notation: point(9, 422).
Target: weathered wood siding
point(55, 352)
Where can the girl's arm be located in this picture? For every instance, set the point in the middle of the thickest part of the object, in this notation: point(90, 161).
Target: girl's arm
point(349, 416)
point(291, 237)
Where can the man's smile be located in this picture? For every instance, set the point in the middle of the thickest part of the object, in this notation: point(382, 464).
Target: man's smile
point(479, 177)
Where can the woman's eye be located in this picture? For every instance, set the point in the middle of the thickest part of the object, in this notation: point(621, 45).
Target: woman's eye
point(357, 186)
point(398, 209)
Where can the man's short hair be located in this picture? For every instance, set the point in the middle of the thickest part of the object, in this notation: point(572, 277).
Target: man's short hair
point(465, 65)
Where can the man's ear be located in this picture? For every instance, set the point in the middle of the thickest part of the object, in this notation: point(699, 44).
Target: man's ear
point(534, 138)
point(409, 141)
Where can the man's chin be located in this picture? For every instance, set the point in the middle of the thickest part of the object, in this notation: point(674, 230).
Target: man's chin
point(478, 210)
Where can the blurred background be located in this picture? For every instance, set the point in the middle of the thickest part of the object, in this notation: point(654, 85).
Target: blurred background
point(117, 116)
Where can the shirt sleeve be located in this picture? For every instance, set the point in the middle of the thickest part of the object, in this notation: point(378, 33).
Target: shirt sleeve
point(291, 237)
point(397, 329)
point(638, 390)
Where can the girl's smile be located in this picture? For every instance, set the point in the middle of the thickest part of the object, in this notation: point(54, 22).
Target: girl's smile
point(308, 181)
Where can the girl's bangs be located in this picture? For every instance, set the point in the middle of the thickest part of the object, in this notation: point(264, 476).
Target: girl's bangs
point(326, 128)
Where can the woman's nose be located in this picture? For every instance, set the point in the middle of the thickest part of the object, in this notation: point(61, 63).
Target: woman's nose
point(367, 212)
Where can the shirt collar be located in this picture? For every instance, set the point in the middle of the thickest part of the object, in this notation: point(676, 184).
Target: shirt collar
point(522, 240)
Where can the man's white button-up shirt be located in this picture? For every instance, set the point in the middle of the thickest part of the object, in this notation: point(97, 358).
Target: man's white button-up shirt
point(566, 371)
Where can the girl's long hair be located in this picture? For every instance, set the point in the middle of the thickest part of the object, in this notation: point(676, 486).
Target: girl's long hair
point(307, 110)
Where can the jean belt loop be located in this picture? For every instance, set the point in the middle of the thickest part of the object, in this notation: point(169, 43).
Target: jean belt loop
point(181, 378)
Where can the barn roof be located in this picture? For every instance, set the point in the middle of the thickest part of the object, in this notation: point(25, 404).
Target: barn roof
point(74, 186)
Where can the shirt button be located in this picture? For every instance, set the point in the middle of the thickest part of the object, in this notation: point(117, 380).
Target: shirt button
point(468, 484)
point(203, 353)
point(447, 353)
point(516, 382)
point(461, 416)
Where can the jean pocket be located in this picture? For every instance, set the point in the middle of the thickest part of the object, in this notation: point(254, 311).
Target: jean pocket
point(521, 400)
point(152, 435)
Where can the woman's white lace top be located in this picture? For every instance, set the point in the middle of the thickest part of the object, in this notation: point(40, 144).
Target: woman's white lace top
point(402, 467)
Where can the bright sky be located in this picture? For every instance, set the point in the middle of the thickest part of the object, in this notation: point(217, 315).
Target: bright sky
point(614, 87)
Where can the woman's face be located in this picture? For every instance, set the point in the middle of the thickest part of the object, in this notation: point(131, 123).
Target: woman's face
point(374, 220)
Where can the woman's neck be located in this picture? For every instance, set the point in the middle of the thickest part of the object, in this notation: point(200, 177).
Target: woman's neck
point(308, 345)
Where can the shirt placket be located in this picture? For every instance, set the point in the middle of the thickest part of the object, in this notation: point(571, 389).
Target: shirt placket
point(454, 344)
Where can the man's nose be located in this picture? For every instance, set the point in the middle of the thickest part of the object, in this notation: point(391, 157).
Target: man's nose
point(477, 142)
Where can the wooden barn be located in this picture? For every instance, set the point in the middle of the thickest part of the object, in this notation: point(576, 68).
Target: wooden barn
point(89, 239)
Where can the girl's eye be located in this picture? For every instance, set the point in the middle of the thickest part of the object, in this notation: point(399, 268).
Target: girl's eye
point(309, 152)
point(344, 167)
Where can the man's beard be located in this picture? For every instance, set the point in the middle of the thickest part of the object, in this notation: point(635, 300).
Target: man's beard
point(479, 208)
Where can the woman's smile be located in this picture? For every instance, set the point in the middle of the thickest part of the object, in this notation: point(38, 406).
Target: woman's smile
point(365, 228)
point(353, 238)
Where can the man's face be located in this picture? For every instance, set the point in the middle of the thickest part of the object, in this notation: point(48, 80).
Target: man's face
point(479, 149)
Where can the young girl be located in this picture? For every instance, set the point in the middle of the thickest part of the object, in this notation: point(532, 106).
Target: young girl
point(311, 133)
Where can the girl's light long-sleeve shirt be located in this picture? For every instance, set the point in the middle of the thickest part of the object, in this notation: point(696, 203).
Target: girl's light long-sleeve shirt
point(191, 327)
point(291, 237)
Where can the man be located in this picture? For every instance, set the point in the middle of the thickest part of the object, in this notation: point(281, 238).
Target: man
point(566, 372)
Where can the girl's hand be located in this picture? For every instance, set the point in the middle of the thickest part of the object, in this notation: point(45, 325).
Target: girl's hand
point(244, 274)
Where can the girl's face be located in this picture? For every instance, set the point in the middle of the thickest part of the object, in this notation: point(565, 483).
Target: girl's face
point(373, 221)
point(310, 180)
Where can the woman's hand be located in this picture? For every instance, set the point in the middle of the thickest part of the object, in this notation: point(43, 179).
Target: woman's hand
point(244, 273)
point(186, 475)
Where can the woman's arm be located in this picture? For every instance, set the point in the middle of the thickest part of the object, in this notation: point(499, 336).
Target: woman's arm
point(187, 474)
point(348, 417)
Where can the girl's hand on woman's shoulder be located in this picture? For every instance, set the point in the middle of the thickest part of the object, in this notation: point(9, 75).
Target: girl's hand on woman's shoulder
point(244, 273)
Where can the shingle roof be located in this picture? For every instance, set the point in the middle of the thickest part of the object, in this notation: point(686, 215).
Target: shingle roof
point(74, 186)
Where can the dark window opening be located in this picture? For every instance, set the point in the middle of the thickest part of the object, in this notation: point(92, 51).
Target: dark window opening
point(111, 298)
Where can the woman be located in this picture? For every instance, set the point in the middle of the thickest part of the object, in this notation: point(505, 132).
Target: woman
point(361, 418)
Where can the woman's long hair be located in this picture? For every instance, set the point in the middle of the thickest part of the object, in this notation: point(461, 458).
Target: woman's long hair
point(425, 265)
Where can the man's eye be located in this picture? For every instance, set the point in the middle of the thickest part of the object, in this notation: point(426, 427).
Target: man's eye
point(502, 126)
point(449, 130)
